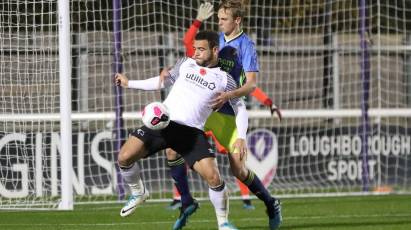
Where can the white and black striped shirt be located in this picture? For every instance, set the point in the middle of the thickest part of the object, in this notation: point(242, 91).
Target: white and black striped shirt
point(193, 89)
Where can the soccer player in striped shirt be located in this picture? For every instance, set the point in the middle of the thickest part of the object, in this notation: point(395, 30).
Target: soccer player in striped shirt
point(237, 52)
point(195, 83)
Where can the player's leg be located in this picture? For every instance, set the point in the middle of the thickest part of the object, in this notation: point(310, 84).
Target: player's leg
point(218, 192)
point(130, 152)
point(178, 172)
point(176, 202)
point(199, 155)
point(141, 143)
point(255, 185)
point(223, 128)
point(245, 195)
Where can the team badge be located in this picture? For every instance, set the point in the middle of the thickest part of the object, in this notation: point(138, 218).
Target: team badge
point(263, 146)
point(140, 132)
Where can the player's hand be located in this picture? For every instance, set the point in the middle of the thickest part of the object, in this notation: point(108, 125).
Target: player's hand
point(220, 100)
point(275, 109)
point(240, 147)
point(205, 11)
point(163, 75)
point(121, 80)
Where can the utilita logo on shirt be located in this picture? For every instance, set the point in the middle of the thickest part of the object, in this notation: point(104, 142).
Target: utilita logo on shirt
point(200, 81)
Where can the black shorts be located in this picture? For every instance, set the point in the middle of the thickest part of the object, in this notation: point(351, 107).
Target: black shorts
point(191, 143)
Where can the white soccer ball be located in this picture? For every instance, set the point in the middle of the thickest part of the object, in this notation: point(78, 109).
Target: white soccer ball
point(155, 116)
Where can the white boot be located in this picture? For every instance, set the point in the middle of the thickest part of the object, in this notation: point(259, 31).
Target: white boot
point(139, 194)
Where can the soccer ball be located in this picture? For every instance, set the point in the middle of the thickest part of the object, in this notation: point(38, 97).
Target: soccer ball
point(155, 116)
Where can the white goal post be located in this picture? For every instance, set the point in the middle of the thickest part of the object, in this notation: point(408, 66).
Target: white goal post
point(339, 70)
point(66, 202)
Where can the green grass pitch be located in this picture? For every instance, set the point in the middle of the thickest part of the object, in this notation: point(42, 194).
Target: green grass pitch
point(360, 212)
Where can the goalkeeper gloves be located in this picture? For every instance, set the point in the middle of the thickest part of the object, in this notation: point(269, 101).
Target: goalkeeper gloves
point(205, 11)
point(273, 108)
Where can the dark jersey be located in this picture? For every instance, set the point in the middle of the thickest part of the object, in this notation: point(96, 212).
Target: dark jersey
point(229, 62)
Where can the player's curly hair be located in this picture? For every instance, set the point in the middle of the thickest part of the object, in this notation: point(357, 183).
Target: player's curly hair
point(237, 7)
point(211, 36)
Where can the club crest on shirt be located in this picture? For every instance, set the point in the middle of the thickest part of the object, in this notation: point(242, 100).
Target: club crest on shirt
point(263, 146)
point(140, 132)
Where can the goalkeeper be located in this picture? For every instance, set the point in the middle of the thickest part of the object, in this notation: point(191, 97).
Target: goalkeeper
point(236, 52)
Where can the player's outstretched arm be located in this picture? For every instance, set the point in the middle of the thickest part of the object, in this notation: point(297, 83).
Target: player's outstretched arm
point(204, 12)
point(166, 79)
point(148, 84)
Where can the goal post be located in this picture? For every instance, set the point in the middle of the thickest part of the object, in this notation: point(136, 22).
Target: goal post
point(64, 41)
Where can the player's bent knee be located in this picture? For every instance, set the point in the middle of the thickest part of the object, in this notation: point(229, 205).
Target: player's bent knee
point(125, 157)
point(214, 180)
point(240, 173)
point(123, 160)
point(171, 154)
point(238, 167)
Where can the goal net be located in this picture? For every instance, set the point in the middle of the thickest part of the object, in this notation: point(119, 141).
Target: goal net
point(339, 70)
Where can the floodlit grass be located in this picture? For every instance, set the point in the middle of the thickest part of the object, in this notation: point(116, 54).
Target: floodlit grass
point(360, 212)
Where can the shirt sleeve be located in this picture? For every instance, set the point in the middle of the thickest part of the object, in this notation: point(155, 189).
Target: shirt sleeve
point(241, 119)
point(249, 58)
point(175, 71)
point(189, 37)
point(231, 85)
point(147, 84)
point(262, 97)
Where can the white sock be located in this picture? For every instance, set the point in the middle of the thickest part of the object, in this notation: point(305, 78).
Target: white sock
point(132, 178)
point(219, 198)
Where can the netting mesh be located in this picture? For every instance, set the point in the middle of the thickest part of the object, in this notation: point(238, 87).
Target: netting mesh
point(310, 57)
